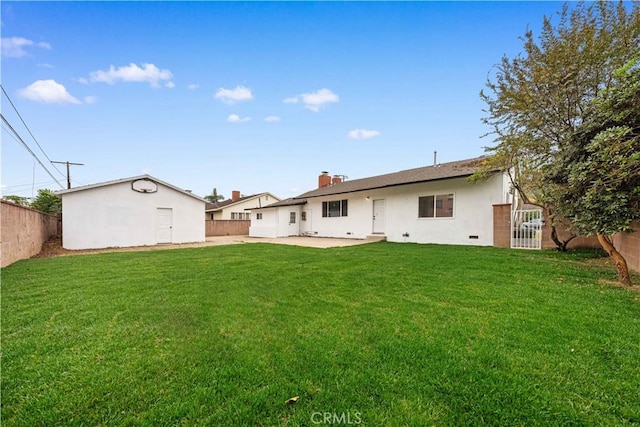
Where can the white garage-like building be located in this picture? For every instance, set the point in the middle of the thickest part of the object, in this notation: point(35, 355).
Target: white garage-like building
point(136, 211)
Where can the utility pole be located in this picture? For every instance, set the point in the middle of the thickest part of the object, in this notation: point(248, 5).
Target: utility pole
point(68, 163)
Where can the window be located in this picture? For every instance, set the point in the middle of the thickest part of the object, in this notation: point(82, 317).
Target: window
point(292, 217)
point(303, 216)
point(438, 206)
point(334, 208)
point(258, 216)
point(234, 215)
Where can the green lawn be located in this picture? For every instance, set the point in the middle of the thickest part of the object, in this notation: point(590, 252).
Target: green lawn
point(380, 334)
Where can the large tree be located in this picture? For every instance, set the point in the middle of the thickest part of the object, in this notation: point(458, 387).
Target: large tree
point(537, 100)
point(595, 181)
point(47, 201)
point(214, 196)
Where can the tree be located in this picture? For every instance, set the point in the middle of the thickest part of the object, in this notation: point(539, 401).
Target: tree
point(595, 182)
point(214, 196)
point(537, 100)
point(47, 201)
point(18, 200)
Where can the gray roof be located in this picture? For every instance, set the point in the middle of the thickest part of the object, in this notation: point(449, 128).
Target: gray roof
point(461, 168)
point(218, 206)
point(131, 179)
point(286, 202)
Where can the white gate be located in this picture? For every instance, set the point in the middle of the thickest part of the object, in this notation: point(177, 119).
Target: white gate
point(526, 229)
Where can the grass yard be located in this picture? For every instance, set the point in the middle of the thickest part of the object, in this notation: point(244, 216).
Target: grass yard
point(380, 334)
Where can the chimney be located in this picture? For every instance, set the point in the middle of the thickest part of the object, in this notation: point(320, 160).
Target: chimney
point(337, 179)
point(235, 195)
point(324, 180)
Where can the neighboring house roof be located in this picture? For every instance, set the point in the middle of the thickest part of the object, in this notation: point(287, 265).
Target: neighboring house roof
point(131, 179)
point(218, 206)
point(461, 168)
point(286, 202)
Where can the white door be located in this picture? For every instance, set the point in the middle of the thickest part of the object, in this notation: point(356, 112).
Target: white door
point(164, 225)
point(305, 222)
point(294, 227)
point(378, 216)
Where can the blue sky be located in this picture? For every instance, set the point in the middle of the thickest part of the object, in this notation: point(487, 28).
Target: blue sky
point(248, 96)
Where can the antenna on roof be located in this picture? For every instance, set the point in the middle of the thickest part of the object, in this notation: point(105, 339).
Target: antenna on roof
point(435, 157)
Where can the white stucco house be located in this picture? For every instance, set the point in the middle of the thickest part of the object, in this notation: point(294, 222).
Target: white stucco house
point(136, 211)
point(433, 204)
point(238, 206)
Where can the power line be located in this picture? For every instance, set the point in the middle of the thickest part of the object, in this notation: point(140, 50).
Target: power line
point(24, 144)
point(18, 186)
point(27, 127)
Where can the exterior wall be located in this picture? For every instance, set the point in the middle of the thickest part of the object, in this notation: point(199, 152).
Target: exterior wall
point(267, 226)
point(629, 246)
point(472, 223)
point(578, 242)
point(502, 225)
point(257, 202)
point(275, 222)
point(116, 216)
point(23, 232)
point(227, 227)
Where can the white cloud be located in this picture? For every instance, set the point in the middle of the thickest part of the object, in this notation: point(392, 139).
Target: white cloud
point(233, 96)
point(149, 73)
point(234, 118)
point(363, 134)
point(48, 92)
point(272, 119)
point(170, 85)
point(14, 47)
point(193, 86)
point(314, 101)
point(90, 99)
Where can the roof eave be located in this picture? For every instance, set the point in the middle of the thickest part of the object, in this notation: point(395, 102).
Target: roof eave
point(130, 179)
point(306, 196)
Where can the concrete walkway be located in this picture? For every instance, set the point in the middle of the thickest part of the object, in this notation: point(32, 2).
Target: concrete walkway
point(311, 242)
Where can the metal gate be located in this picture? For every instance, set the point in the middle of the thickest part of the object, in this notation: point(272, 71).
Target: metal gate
point(526, 229)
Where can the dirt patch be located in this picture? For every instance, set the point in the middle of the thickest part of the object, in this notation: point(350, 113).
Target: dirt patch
point(52, 247)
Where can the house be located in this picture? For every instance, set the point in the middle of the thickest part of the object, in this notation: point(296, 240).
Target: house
point(238, 207)
point(433, 204)
point(136, 211)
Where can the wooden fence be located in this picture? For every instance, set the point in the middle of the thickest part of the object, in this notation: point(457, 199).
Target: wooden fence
point(227, 227)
